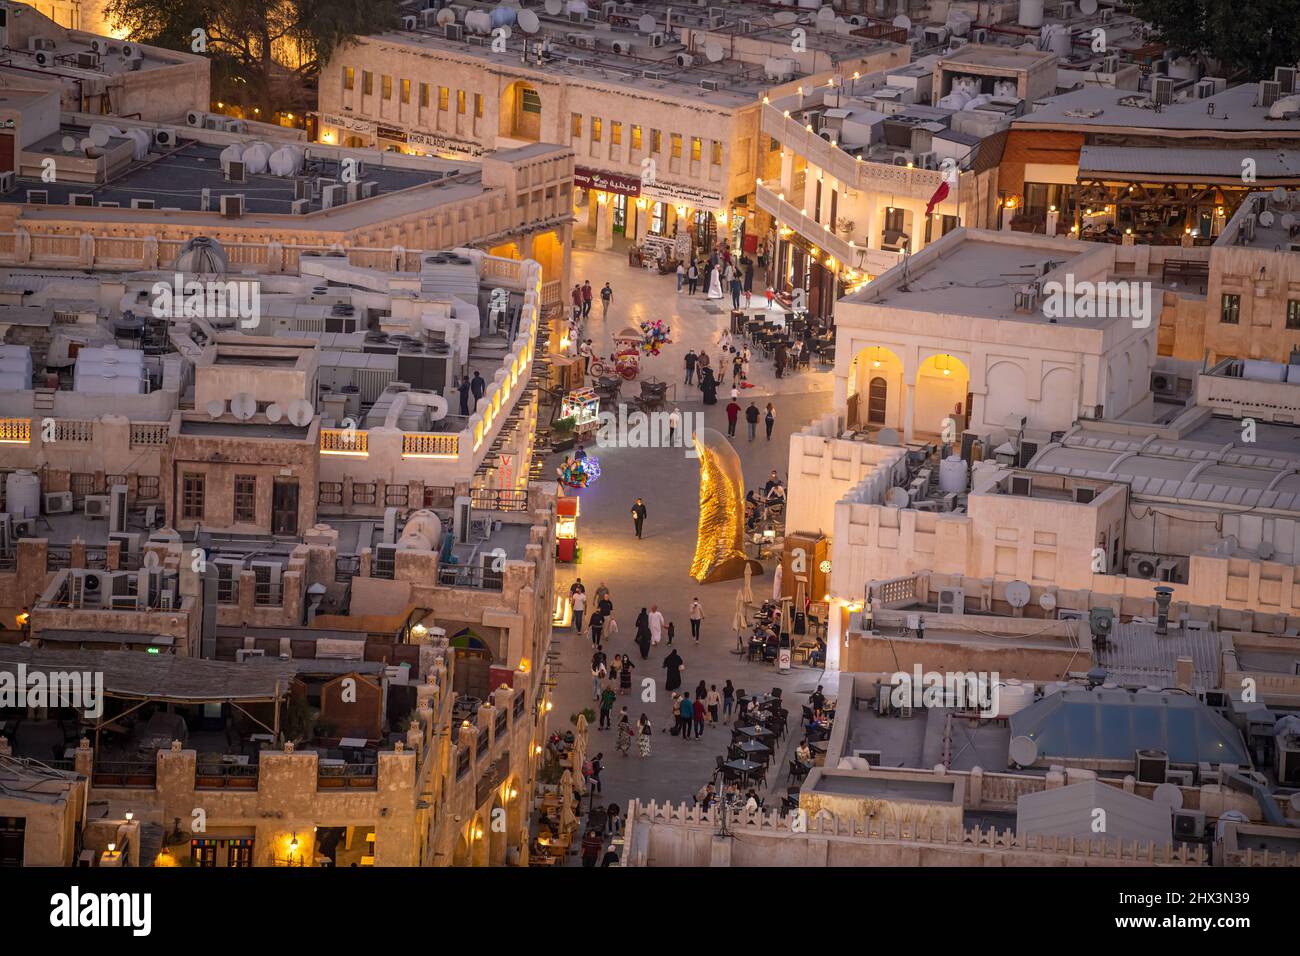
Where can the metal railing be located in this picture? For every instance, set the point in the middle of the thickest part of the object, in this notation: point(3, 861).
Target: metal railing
point(267, 594)
point(220, 776)
point(349, 776)
point(142, 774)
point(498, 499)
point(56, 559)
point(470, 576)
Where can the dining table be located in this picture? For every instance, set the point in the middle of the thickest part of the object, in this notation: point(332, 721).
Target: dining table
point(759, 733)
point(753, 750)
point(745, 768)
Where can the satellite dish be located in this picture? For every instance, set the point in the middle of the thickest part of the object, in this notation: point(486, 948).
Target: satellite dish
point(243, 406)
point(1023, 751)
point(528, 21)
point(784, 17)
point(903, 22)
point(1279, 194)
point(216, 408)
point(445, 16)
point(1047, 601)
point(1017, 594)
point(1168, 794)
point(897, 498)
point(301, 412)
point(553, 7)
point(1087, 7)
point(99, 135)
point(647, 23)
point(713, 51)
point(150, 559)
point(1266, 219)
point(887, 436)
point(274, 412)
point(69, 144)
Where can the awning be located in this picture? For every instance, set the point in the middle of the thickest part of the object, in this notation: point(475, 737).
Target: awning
point(1192, 165)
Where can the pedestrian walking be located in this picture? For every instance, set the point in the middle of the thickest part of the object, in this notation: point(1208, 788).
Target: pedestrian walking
point(751, 419)
point(638, 516)
point(585, 352)
point(576, 298)
point(463, 388)
point(769, 419)
point(625, 734)
point(606, 294)
point(597, 765)
point(607, 699)
point(597, 626)
point(674, 423)
point(737, 368)
point(477, 388)
point(713, 701)
point(697, 616)
point(692, 279)
point(733, 413)
point(691, 360)
point(624, 675)
point(644, 736)
point(686, 709)
point(736, 288)
point(655, 621)
point(579, 601)
point(681, 277)
point(598, 674)
point(674, 666)
point(586, 298)
point(643, 633)
point(728, 701)
point(699, 717)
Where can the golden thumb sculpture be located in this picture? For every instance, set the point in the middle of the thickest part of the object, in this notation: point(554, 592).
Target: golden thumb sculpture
point(720, 541)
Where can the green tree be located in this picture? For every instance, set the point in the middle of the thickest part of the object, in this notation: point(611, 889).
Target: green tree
point(1246, 39)
point(265, 53)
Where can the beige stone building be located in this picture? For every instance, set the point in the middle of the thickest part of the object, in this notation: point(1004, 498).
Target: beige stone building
point(660, 105)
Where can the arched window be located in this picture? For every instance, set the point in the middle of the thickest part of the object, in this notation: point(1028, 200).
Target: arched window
point(877, 397)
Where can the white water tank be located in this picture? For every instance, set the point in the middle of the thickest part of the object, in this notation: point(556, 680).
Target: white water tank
point(478, 21)
point(952, 475)
point(1057, 40)
point(23, 494)
point(1260, 371)
point(231, 154)
point(959, 22)
point(1031, 13)
point(1013, 696)
point(140, 142)
point(256, 158)
point(422, 532)
point(956, 100)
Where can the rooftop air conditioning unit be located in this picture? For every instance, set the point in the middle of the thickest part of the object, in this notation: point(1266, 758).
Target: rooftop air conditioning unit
point(242, 654)
point(38, 197)
point(130, 50)
point(58, 502)
point(709, 86)
point(332, 196)
point(81, 199)
point(100, 45)
point(236, 171)
point(8, 182)
point(657, 39)
point(1269, 92)
point(195, 118)
point(621, 47)
point(300, 207)
point(142, 204)
point(1162, 90)
point(684, 60)
point(129, 540)
point(410, 23)
point(86, 587)
point(164, 137)
point(1152, 766)
point(454, 31)
point(40, 43)
point(302, 189)
point(43, 59)
point(1285, 76)
point(1167, 570)
point(979, 36)
point(952, 601)
point(1164, 384)
point(385, 561)
point(1143, 566)
point(1189, 824)
point(87, 60)
point(1067, 10)
point(97, 506)
point(232, 206)
point(1203, 89)
point(1022, 486)
point(1110, 63)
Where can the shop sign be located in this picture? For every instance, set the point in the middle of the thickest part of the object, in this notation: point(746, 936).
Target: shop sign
point(585, 178)
point(682, 194)
point(349, 123)
point(443, 144)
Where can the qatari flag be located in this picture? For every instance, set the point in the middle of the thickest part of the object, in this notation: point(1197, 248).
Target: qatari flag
point(939, 196)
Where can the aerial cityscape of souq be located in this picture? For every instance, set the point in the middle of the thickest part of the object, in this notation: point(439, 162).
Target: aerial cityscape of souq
point(420, 421)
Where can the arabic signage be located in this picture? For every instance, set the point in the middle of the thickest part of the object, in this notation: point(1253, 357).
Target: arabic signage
point(391, 132)
point(681, 194)
point(438, 143)
point(585, 178)
point(349, 123)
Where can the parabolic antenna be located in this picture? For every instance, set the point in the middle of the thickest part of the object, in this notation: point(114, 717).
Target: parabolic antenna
point(713, 51)
point(647, 23)
point(1017, 594)
point(1168, 794)
point(1266, 219)
point(1047, 601)
point(903, 22)
point(553, 7)
point(1279, 194)
point(445, 16)
point(69, 144)
point(243, 406)
point(784, 17)
point(1023, 751)
point(274, 413)
point(301, 412)
point(528, 21)
point(216, 408)
point(1087, 7)
point(897, 498)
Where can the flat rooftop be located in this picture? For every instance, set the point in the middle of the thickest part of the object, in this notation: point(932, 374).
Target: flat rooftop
point(1274, 215)
point(1100, 108)
point(581, 50)
point(199, 428)
point(177, 179)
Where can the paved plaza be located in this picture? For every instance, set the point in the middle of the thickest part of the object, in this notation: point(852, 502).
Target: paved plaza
point(654, 569)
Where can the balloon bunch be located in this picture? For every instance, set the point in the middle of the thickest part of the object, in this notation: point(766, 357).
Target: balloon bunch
point(655, 335)
point(579, 472)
